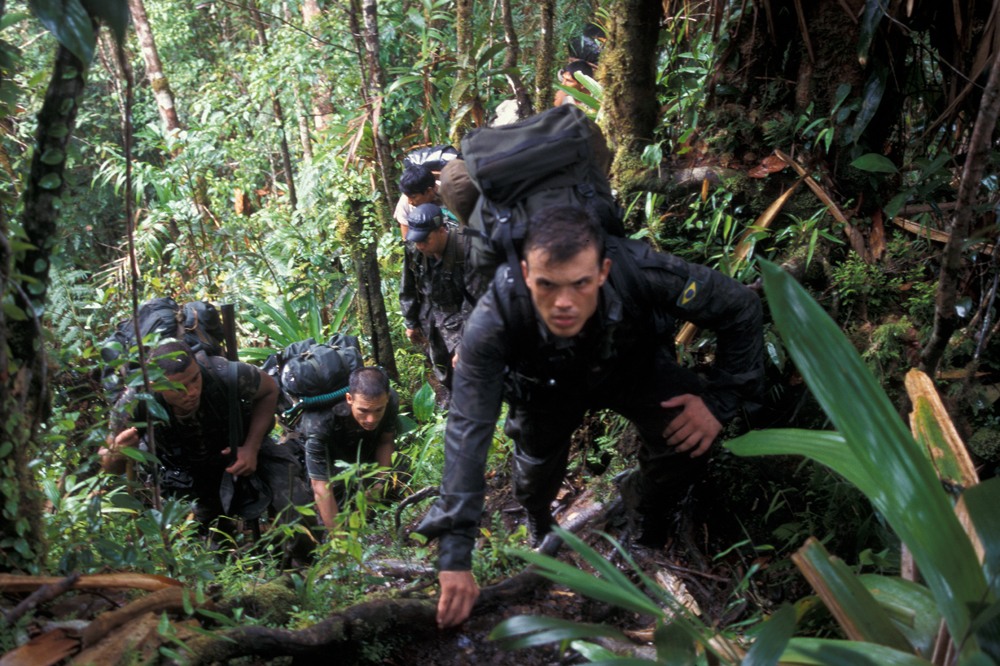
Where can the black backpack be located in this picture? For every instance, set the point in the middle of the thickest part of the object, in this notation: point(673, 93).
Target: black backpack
point(313, 375)
point(555, 157)
point(197, 323)
point(434, 157)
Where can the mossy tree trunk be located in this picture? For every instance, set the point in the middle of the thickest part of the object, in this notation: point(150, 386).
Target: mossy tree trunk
point(545, 55)
point(360, 234)
point(154, 68)
point(628, 72)
point(24, 278)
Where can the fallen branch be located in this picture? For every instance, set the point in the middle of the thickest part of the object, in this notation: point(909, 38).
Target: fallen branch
point(43, 594)
point(366, 621)
point(149, 582)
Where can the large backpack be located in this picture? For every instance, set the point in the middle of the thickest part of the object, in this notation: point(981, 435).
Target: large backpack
point(197, 323)
point(434, 157)
point(314, 375)
point(555, 157)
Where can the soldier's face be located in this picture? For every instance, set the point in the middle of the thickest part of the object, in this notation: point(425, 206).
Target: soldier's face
point(427, 196)
point(366, 410)
point(565, 294)
point(185, 400)
point(434, 244)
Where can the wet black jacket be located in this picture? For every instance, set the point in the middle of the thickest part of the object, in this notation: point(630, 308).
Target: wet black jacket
point(634, 323)
point(440, 294)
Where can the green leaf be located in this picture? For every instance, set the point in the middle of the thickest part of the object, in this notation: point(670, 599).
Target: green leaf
point(871, 98)
point(114, 13)
point(53, 156)
point(11, 18)
point(523, 631)
point(857, 611)
point(423, 403)
point(70, 23)
point(674, 645)
point(907, 491)
point(612, 586)
point(13, 312)
point(487, 54)
point(909, 606)
point(829, 652)
point(875, 163)
point(826, 448)
point(50, 181)
point(874, 11)
point(772, 638)
point(982, 501)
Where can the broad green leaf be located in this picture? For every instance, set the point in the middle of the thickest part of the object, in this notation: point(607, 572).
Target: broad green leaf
point(592, 652)
point(70, 23)
point(983, 504)
point(529, 631)
point(826, 448)
point(772, 638)
point(829, 652)
point(904, 486)
point(423, 403)
point(909, 606)
point(114, 13)
point(674, 645)
point(10, 18)
point(487, 53)
point(859, 614)
point(875, 163)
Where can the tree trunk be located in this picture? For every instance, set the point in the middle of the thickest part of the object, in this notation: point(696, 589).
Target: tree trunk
point(154, 68)
point(628, 66)
point(545, 55)
point(279, 116)
point(373, 96)
point(322, 106)
point(510, 58)
point(24, 398)
point(945, 317)
point(371, 305)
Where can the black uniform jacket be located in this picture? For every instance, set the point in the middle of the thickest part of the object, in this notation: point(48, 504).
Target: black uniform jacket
point(634, 325)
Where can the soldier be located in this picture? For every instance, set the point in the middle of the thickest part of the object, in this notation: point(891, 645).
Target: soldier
point(592, 330)
point(439, 287)
point(215, 446)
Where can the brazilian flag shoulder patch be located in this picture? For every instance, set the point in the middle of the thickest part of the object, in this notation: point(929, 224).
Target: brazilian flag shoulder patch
point(690, 292)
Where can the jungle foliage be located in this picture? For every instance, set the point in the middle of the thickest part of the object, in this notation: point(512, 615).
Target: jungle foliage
point(848, 141)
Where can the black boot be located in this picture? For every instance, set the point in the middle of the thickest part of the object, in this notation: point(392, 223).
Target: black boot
point(540, 523)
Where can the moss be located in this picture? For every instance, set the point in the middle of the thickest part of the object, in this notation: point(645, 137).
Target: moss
point(985, 444)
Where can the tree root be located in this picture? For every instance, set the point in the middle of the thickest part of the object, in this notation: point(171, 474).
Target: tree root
point(366, 621)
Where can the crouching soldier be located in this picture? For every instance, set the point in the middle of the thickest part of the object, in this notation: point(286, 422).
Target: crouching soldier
point(214, 446)
point(361, 429)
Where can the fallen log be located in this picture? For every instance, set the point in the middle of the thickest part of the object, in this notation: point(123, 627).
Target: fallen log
point(366, 621)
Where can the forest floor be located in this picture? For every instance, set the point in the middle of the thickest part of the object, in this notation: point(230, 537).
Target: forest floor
point(709, 563)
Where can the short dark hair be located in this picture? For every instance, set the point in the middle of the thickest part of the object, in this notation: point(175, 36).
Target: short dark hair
point(172, 357)
point(416, 179)
point(370, 382)
point(563, 232)
point(581, 66)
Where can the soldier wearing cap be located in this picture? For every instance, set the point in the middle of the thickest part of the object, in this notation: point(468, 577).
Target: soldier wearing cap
point(439, 287)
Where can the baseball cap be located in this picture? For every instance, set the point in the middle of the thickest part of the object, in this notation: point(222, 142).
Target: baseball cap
point(423, 219)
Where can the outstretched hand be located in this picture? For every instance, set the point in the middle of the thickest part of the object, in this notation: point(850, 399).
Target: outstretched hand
point(694, 429)
point(459, 592)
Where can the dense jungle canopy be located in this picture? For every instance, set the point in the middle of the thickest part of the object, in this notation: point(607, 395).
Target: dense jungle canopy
point(840, 156)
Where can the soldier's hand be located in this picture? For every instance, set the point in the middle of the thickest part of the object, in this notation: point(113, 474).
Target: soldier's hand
point(458, 595)
point(694, 429)
point(415, 336)
point(127, 437)
point(246, 461)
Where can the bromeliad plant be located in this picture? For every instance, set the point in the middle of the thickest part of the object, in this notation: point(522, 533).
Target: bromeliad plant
point(954, 618)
